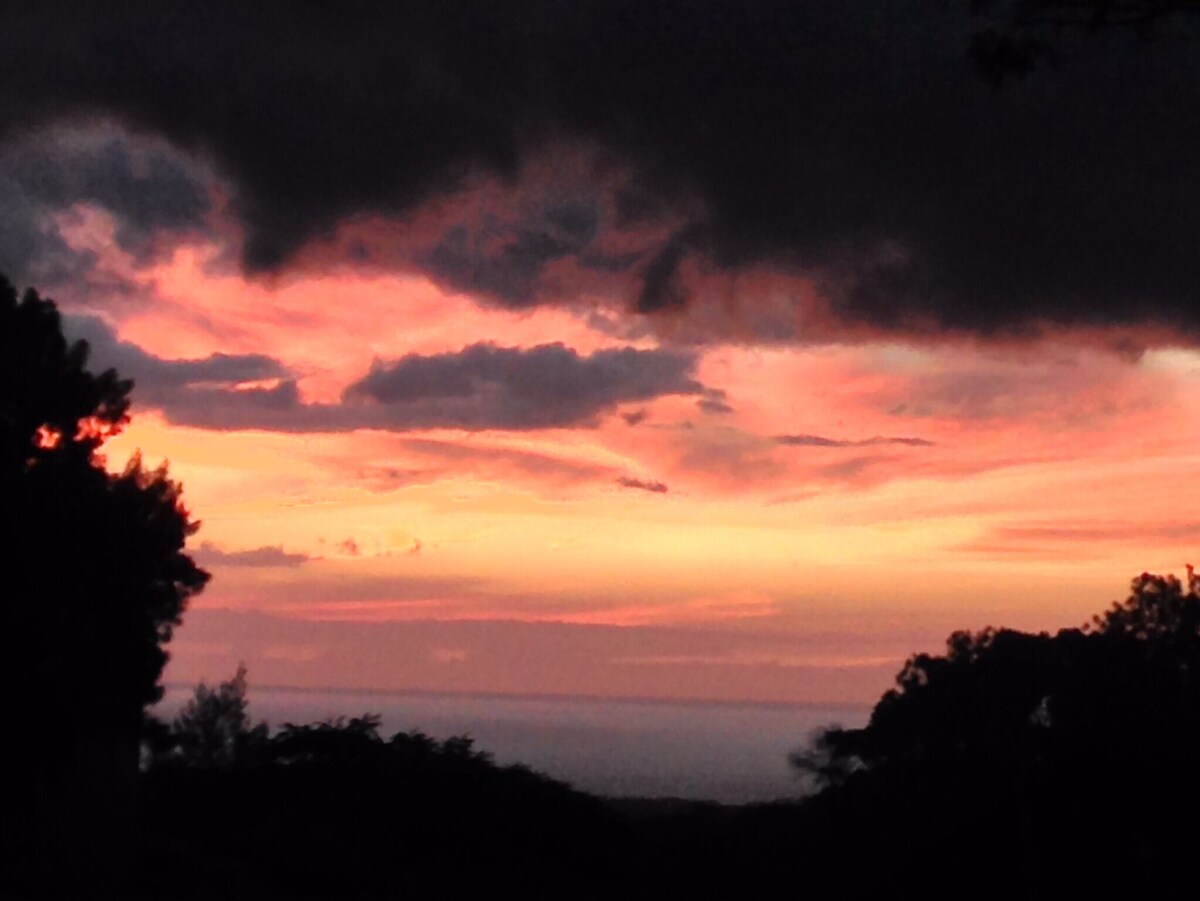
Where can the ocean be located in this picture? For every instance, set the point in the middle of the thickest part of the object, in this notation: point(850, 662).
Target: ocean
point(731, 753)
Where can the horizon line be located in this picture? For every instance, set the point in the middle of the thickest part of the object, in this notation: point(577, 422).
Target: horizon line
point(643, 700)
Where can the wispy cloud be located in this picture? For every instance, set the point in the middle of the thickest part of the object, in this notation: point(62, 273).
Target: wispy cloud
point(267, 556)
point(643, 485)
point(822, 441)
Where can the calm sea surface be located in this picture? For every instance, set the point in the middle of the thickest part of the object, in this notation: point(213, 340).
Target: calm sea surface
point(721, 752)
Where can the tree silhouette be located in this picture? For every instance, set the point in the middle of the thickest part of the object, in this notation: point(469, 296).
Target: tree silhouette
point(1001, 692)
point(1035, 749)
point(213, 729)
point(95, 580)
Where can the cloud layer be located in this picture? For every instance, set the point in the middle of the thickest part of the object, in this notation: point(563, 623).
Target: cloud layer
point(822, 441)
point(851, 144)
point(549, 386)
point(481, 387)
point(155, 196)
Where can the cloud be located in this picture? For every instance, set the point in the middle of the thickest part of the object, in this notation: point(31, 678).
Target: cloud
point(481, 387)
point(714, 402)
point(1056, 539)
point(331, 590)
point(176, 386)
point(549, 386)
point(745, 136)
point(821, 441)
point(1072, 387)
point(439, 458)
point(156, 195)
point(654, 487)
point(32, 248)
point(508, 259)
point(727, 458)
point(267, 556)
point(635, 417)
point(858, 471)
point(700, 610)
point(148, 187)
point(156, 375)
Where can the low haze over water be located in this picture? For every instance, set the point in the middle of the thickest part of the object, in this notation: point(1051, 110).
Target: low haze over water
point(733, 753)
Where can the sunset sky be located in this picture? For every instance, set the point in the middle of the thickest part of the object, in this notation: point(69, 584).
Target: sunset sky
point(710, 350)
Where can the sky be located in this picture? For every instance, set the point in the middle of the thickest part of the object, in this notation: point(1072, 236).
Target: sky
point(729, 350)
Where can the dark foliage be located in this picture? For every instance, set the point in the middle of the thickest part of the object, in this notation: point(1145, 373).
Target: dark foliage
point(95, 579)
point(1012, 759)
point(212, 730)
point(335, 810)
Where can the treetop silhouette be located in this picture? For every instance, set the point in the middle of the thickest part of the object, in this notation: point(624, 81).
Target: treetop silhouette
point(1126, 685)
point(213, 728)
point(97, 574)
point(50, 404)
point(95, 580)
point(1005, 762)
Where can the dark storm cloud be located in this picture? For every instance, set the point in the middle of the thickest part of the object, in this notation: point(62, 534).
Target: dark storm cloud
point(549, 386)
point(148, 190)
point(151, 192)
point(507, 259)
point(32, 249)
point(848, 142)
point(480, 387)
point(821, 441)
point(660, 286)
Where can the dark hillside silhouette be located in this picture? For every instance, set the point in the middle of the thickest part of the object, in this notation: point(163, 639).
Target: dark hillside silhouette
point(95, 580)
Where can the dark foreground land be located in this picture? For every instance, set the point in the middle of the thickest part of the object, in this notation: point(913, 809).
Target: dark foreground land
point(1014, 766)
point(333, 812)
point(310, 835)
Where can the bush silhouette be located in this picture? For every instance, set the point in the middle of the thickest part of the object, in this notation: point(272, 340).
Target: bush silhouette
point(335, 810)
